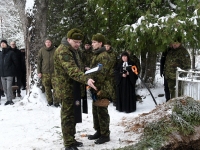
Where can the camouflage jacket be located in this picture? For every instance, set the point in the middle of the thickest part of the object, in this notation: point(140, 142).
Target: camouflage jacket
point(102, 77)
point(113, 61)
point(176, 58)
point(66, 70)
point(87, 57)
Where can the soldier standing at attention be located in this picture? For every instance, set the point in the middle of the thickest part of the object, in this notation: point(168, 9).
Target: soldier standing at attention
point(45, 69)
point(113, 56)
point(176, 57)
point(87, 53)
point(101, 118)
point(69, 76)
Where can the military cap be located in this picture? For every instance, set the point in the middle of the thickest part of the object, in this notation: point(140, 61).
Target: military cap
point(75, 34)
point(87, 41)
point(107, 42)
point(99, 38)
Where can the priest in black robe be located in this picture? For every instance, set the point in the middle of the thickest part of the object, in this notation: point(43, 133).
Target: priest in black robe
point(126, 80)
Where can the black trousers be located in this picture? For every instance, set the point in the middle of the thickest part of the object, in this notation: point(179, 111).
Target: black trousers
point(166, 89)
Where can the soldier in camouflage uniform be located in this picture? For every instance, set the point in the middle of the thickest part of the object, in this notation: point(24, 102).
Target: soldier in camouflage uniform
point(87, 53)
point(68, 72)
point(113, 62)
point(101, 118)
point(178, 56)
point(45, 69)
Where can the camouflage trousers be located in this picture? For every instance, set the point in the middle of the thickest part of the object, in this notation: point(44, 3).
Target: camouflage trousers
point(101, 119)
point(48, 83)
point(172, 87)
point(68, 122)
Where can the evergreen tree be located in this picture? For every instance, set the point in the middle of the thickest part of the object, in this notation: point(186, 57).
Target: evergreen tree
point(64, 15)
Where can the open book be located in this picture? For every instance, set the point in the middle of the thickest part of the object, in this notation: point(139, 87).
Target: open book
point(99, 67)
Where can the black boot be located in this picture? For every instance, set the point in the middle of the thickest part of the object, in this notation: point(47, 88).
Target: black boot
point(102, 140)
point(56, 104)
point(78, 144)
point(9, 103)
point(50, 103)
point(71, 148)
point(94, 136)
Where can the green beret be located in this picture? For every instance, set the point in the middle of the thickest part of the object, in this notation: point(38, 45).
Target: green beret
point(75, 34)
point(99, 38)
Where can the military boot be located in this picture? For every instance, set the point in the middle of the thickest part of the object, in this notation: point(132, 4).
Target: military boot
point(102, 139)
point(78, 144)
point(71, 148)
point(50, 103)
point(94, 136)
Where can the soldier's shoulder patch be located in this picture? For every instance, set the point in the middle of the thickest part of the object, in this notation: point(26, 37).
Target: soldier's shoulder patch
point(66, 57)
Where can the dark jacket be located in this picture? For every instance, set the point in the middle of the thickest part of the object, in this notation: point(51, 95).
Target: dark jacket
point(8, 63)
point(17, 52)
point(126, 98)
point(162, 60)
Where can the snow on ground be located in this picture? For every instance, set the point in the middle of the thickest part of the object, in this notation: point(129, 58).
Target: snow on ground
point(30, 124)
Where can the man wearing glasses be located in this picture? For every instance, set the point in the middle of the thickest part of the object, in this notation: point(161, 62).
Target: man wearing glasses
point(69, 72)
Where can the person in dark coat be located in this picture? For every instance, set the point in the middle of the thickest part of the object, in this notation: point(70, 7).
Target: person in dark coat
point(17, 78)
point(87, 53)
point(8, 67)
point(126, 97)
point(162, 74)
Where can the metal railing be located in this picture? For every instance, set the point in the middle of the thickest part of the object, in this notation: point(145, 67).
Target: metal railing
point(190, 83)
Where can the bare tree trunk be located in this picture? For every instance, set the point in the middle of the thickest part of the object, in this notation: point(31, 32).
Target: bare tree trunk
point(34, 26)
point(143, 63)
point(150, 67)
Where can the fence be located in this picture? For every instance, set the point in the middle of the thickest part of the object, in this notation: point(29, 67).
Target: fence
point(190, 83)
